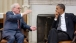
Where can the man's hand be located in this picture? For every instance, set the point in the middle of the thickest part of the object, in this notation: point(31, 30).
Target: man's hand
point(75, 32)
point(27, 12)
point(33, 28)
point(56, 14)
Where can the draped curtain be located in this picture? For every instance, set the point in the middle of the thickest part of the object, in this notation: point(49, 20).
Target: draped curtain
point(6, 4)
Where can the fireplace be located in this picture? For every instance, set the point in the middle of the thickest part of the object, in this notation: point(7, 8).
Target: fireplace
point(44, 23)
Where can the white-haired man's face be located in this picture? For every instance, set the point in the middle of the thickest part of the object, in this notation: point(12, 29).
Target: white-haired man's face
point(16, 9)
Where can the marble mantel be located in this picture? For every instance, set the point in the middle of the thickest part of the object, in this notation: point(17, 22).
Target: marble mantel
point(1, 15)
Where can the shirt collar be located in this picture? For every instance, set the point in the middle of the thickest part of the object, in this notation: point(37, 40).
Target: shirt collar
point(63, 14)
point(14, 13)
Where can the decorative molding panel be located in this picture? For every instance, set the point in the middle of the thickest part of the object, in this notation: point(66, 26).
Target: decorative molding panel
point(53, 2)
point(40, 1)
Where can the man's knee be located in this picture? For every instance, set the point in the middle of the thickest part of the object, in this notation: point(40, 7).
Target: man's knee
point(21, 36)
point(11, 38)
point(53, 29)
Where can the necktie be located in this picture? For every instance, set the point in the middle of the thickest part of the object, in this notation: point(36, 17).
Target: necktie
point(18, 24)
point(59, 24)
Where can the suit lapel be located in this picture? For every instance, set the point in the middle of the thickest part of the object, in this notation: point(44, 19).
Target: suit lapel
point(12, 13)
point(66, 19)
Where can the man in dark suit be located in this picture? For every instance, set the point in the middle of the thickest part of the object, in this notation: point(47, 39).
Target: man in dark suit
point(63, 25)
point(13, 24)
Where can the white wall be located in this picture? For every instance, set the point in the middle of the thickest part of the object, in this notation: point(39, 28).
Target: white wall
point(44, 9)
point(48, 9)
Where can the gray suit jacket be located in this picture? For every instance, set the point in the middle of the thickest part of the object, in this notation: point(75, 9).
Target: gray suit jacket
point(11, 24)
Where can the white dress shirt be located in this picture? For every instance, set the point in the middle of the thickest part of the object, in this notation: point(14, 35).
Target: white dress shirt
point(63, 23)
point(15, 14)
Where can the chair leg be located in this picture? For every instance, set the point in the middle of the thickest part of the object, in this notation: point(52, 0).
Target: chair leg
point(74, 40)
point(0, 35)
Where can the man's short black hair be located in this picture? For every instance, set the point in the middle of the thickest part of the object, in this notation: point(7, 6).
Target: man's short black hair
point(62, 6)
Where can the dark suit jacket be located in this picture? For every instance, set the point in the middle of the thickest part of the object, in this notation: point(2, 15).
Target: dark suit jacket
point(70, 20)
point(11, 24)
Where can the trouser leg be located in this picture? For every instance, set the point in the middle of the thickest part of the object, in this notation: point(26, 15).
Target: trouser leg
point(52, 37)
point(10, 39)
point(19, 37)
point(62, 36)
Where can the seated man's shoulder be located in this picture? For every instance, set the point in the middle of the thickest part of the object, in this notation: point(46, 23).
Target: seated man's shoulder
point(69, 14)
point(8, 11)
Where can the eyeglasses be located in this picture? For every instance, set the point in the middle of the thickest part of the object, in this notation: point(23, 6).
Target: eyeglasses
point(19, 8)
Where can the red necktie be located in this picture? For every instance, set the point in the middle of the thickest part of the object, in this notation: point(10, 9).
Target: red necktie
point(18, 24)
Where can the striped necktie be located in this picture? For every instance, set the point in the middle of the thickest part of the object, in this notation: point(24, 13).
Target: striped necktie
point(59, 24)
point(18, 24)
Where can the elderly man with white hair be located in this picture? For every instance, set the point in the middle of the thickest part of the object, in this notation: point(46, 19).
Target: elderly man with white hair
point(13, 24)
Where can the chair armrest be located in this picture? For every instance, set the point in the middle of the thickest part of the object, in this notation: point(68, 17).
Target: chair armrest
point(73, 41)
point(75, 32)
point(0, 34)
